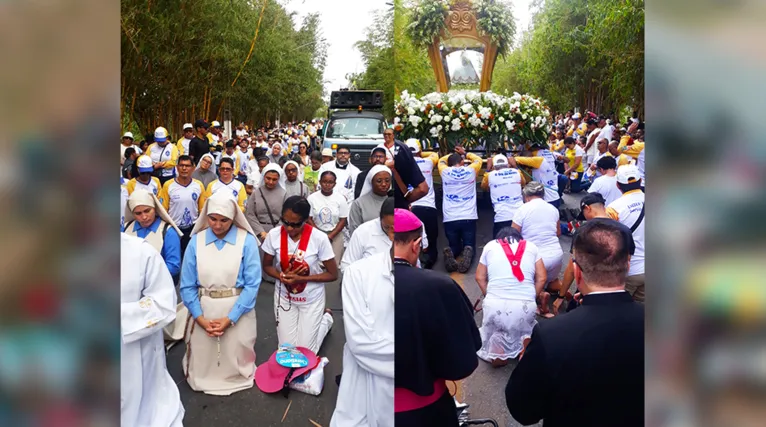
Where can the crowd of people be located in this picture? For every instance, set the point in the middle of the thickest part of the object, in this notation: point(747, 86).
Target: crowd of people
point(575, 367)
point(270, 205)
point(267, 205)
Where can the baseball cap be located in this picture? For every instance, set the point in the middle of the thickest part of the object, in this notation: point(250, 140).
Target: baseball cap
point(144, 164)
point(588, 200)
point(576, 116)
point(188, 126)
point(160, 134)
point(627, 174)
point(215, 124)
point(499, 161)
point(327, 152)
point(413, 144)
point(128, 135)
point(378, 148)
point(201, 124)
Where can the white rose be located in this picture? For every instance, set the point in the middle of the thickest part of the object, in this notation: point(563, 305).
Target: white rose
point(439, 128)
point(501, 119)
point(434, 132)
point(410, 111)
point(397, 120)
point(523, 117)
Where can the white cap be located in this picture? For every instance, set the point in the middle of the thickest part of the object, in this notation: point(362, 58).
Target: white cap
point(327, 152)
point(627, 174)
point(413, 144)
point(144, 164)
point(128, 135)
point(188, 126)
point(313, 121)
point(215, 124)
point(160, 134)
point(499, 161)
point(576, 116)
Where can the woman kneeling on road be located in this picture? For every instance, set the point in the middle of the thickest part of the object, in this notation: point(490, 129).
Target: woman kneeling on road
point(511, 275)
point(294, 254)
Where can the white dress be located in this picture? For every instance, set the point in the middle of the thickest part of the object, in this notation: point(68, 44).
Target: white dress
point(366, 394)
point(149, 396)
point(509, 307)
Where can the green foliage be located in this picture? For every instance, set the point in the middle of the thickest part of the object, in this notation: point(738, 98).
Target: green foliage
point(427, 21)
point(580, 53)
point(378, 56)
point(495, 19)
point(411, 66)
point(181, 57)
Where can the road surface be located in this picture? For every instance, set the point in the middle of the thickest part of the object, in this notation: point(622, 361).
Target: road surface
point(253, 407)
point(484, 390)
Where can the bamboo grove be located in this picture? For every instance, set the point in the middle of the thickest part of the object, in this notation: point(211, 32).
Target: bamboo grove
point(183, 60)
point(580, 53)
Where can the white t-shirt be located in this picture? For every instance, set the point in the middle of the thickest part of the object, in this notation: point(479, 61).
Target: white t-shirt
point(547, 175)
point(628, 209)
point(183, 202)
point(241, 133)
point(592, 152)
point(459, 198)
point(606, 133)
point(538, 220)
point(505, 192)
point(502, 283)
point(326, 211)
point(318, 250)
point(606, 186)
point(184, 147)
point(426, 166)
point(234, 186)
point(253, 174)
point(244, 160)
point(345, 179)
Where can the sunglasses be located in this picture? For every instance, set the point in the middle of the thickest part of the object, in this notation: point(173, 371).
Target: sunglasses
point(291, 224)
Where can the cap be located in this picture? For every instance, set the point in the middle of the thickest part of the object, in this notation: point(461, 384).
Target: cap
point(201, 124)
point(188, 126)
point(576, 116)
point(499, 161)
point(627, 174)
point(128, 135)
point(413, 144)
point(327, 152)
point(588, 200)
point(144, 164)
point(160, 134)
point(405, 221)
point(378, 148)
point(215, 124)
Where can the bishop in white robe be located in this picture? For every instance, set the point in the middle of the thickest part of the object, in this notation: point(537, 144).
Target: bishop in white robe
point(366, 394)
point(149, 396)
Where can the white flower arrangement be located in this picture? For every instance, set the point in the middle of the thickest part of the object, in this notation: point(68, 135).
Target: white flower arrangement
point(470, 118)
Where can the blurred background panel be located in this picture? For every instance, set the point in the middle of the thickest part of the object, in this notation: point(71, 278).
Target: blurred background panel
point(705, 103)
point(59, 287)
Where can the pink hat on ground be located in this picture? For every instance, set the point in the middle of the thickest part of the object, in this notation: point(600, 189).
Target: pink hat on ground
point(271, 377)
point(405, 221)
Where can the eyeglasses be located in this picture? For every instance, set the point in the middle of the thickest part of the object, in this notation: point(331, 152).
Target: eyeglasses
point(344, 153)
point(225, 169)
point(185, 166)
point(291, 224)
point(388, 135)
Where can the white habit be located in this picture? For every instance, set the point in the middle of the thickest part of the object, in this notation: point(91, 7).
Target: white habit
point(366, 394)
point(149, 396)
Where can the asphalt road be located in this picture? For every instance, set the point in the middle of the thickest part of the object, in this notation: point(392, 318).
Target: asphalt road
point(484, 390)
point(253, 407)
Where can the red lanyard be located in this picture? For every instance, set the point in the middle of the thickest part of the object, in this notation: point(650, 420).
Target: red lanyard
point(514, 258)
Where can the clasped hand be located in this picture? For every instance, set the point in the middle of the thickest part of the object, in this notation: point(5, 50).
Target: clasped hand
point(292, 276)
point(215, 327)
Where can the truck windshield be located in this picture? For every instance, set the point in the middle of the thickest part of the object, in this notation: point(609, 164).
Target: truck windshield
point(355, 126)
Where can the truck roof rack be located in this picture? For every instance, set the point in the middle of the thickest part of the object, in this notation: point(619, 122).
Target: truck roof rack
point(353, 99)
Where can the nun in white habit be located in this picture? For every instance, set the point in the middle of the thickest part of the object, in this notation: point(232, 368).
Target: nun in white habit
point(220, 278)
point(374, 193)
point(291, 181)
point(366, 393)
point(149, 396)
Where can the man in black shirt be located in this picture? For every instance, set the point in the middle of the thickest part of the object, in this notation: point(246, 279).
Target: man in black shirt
point(409, 182)
point(199, 145)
